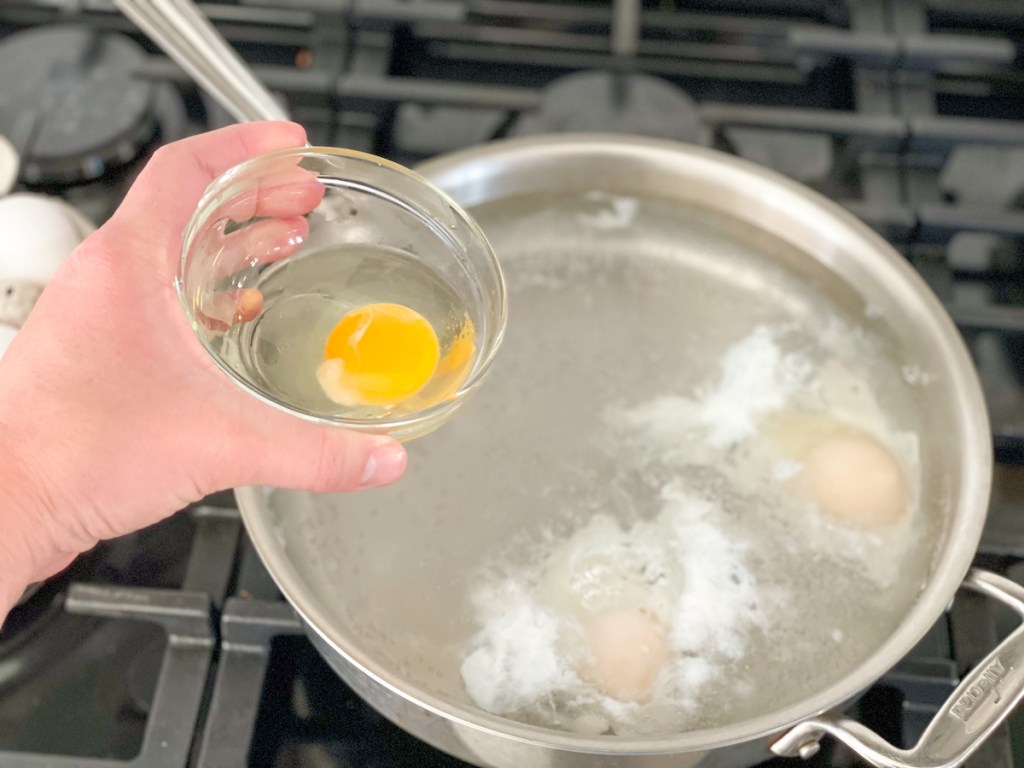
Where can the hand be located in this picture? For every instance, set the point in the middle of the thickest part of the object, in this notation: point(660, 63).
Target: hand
point(112, 414)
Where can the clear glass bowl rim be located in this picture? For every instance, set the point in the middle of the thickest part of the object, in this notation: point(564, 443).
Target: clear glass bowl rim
point(407, 421)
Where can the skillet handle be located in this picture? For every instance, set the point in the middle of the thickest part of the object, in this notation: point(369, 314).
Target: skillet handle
point(979, 705)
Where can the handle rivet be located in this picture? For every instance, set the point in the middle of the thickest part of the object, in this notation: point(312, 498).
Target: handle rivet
point(809, 750)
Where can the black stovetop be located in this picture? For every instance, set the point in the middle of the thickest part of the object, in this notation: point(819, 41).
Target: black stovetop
point(171, 647)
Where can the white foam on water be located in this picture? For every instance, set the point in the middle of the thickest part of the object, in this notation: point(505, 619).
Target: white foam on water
point(755, 377)
point(680, 565)
point(515, 660)
point(746, 579)
point(615, 211)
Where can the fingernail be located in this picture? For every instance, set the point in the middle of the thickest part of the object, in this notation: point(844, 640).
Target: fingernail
point(385, 464)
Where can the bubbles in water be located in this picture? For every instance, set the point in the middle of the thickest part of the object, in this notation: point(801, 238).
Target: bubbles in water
point(916, 376)
point(611, 212)
point(531, 461)
point(712, 561)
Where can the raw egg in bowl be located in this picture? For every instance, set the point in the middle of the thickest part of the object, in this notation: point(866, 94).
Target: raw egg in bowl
point(344, 289)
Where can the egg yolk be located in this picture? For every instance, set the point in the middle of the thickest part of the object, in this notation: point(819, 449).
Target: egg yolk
point(379, 355)
point(453, 368)
point(857, 482)
point(628, 650)
point(849, 474)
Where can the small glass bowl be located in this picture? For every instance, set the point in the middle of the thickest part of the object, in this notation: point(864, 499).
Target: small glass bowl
point(265, 216)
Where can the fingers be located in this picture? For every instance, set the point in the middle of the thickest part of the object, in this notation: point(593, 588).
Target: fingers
point(259, 243)
point(221, 310)
point(296, 454)
point(165, 194)
point(281, 189)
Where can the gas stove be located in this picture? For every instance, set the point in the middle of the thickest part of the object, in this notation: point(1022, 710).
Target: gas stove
point(171, 647)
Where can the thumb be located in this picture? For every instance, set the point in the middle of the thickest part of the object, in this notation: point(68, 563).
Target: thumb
point(291, 453)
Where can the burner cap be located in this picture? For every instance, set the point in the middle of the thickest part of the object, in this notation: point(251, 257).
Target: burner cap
point(70, 103)
point(615, 103)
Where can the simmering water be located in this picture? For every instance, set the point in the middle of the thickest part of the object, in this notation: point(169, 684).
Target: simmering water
point(633, 408)
point(304, 298)
point(706, 561)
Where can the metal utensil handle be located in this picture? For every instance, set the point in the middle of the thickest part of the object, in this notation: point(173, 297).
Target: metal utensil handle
point(188, 37)
point(979, 705)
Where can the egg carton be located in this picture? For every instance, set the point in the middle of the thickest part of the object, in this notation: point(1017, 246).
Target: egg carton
point(40, 232)
point(17, 298)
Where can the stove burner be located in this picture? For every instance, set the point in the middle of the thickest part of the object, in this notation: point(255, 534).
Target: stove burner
point(38, 631)
point(70, 103)
point(614, 103)
point(79, 678)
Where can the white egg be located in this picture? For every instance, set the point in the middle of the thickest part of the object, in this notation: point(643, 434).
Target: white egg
point(39, 233)
point(628, 651)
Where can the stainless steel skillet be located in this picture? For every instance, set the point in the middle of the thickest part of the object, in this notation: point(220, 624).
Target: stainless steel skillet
point(377, 578)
